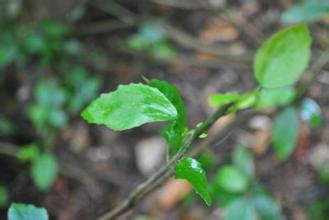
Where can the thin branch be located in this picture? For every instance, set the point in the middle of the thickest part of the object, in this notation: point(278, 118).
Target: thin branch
point(151, 183)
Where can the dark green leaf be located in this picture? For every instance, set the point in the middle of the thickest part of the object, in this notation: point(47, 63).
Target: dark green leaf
point(283, 58)
point(130, 106)
point(191, 170)
point(306, 12)
point(275, 97)
point(243, 160)
point(6, 126)
point(44, 171)
point(232, 179)
point(26, 212)
point(241, 209)
point(285, 132)
point(3, 195)
point(174, 133)
point(310, 111)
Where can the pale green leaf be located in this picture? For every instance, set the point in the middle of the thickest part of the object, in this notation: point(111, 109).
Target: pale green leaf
point(275, 97)
point(191, 170)
point(130, 106)
point(241, 209)
point(283, 58)
point(26, 212)
point(242, 159)
point(223, 98)
point(306, 12)
point(285, 132)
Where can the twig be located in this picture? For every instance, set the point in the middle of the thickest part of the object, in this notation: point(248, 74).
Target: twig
point(160, 175)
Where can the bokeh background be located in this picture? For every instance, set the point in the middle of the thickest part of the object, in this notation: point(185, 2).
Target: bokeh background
point(56, 56)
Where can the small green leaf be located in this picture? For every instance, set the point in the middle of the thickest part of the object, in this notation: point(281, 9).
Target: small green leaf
point(152, 33)
point(247, 100)
point(191, 170)
point(232, 179)
point(6, 126)
point(306, 12)
point(28, 152)
point(242, 159)
point(130, 106)
point(241, 209)
point(44, 171)
point(310, 111)
point(223, 99)
point(283, 58)
point(19, 211)
point(3, 195)
point(285, 132)
point(275, 97)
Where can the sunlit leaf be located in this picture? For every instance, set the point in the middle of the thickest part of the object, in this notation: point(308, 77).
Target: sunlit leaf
point(282, 59)
point(130, 106)
point(28, 152)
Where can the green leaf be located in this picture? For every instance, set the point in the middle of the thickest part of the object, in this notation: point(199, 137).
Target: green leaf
point(310, 111)
point(306, 12)
point(275, 97)
point(6, 126)
point(19, 211)
point(285, 132)
point(267, 207)
point(241, 209)
point(283, 58)
point(247, 100)
point(191, 170)
point(223, 99)
point(152, 33)
point(130, 106)
point(174, 133)
point(163, 51)
point(242, 159)
point(28, 152)
point(44, 171)
point(207, 159)
point(3, 195)
point(232, 179)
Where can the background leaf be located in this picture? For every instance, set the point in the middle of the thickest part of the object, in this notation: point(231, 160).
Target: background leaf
point(191, 170)
point(275, 97)
point(44, 171)
point(241, 209)
point(310, 111)
point(232, 179)
point(26, 212)
point(306, 12)
point(242, 159)
point(130, 106)
point(282, 59)
point(285, 132)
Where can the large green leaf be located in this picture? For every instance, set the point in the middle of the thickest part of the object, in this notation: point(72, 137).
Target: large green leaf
point(232, 179)
point(282, 59)
point(174, 132)
point(241, 209)
point(306, 12)
point(191, 170)
point(26, 212)
point(44, 171)
point(285, 132)
point(130, 106)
